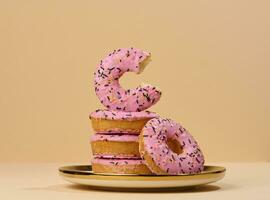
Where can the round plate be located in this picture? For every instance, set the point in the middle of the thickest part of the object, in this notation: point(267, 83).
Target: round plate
point(83, 174)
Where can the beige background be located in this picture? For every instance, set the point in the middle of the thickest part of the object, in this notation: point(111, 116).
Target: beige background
point(211, 59)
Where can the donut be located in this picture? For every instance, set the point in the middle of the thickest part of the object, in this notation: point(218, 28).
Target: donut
point(169, 149)
point(107, 86)
point(107, 121)
point(120, 166)
point(115, 145)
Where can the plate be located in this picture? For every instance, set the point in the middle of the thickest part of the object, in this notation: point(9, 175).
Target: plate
point(83, 175)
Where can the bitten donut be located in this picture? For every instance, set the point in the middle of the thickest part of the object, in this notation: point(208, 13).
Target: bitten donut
point(168, 148)
point(115, 145)
point(120, 166)
point(107, 121)
point(107, 86)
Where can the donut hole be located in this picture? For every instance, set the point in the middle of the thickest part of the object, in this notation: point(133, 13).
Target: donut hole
point(174, 145)
point(125, 81)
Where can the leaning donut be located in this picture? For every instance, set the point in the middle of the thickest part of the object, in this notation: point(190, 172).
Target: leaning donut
point(168, 148)
point(107, 86)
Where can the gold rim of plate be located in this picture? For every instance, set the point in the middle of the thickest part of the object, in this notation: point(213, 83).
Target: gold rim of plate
point(85, 172)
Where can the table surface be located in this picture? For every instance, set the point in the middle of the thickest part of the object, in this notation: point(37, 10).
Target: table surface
point(41, 181)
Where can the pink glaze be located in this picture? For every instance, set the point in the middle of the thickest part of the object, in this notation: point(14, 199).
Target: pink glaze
point(156, 132)
point(115, 137)
point(118, 131)
point(120, 115)
point(118, 156)
point(107, 86)
point(115, 162)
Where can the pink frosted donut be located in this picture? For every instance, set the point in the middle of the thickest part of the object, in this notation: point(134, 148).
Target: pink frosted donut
point(120, 166)
point(168, 148)
point(125, 145)
point(109, 121)
point(108, 89)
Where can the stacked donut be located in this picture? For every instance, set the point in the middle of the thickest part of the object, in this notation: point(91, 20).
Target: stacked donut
point(129, 139)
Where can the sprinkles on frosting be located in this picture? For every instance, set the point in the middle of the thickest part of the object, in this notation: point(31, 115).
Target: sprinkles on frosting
point(116, 137)
point(118, 161)
point(120, 115)
point(107, 86)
